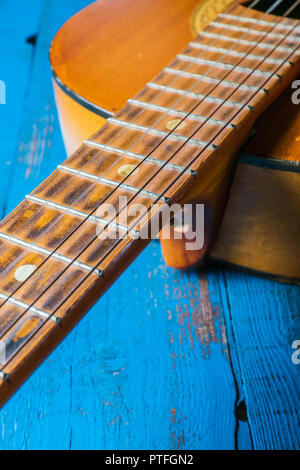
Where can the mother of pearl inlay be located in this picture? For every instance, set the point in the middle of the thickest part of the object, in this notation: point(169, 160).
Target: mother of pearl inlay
point(24, 272)
point(125, 170)
point(175, 123)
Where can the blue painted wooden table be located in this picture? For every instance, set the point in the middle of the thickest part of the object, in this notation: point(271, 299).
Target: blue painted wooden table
point(164, 360)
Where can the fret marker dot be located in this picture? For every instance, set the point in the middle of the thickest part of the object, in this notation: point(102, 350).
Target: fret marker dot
point(23, 272)
point(175, 123)
point(125, 170)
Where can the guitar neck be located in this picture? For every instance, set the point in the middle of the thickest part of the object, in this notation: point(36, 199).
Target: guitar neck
point(177, 134)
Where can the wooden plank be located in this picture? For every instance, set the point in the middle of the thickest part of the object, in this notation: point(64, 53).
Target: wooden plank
point(32, 146)
point(39, 148)
point(151, 371)
point(148, 367)
point(17, 56)
point(265, 320)
point(173, 359)
point(243, 438)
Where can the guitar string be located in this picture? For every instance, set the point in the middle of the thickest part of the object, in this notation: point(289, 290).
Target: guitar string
point(86, 277)
point(109, 194)
point(89, 189)
point(110, 221)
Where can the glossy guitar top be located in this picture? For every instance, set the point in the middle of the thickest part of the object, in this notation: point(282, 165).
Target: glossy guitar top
point(108, 51)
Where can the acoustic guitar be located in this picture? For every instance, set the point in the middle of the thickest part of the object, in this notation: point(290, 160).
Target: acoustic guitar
point(153, 115)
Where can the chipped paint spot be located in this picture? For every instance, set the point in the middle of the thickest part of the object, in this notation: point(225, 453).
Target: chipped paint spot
point(114, 420)
point(175, 123)
point(198, 319)
point(24, 272)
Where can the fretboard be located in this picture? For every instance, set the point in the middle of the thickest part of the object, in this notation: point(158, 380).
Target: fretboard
point(173, 135)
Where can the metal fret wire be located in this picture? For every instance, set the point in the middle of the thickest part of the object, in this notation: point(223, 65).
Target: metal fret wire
point(97, 156)
point(145, 159)
point(107, 254)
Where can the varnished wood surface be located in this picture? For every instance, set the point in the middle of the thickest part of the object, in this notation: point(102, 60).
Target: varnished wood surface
point(76, 121)
point(102, 416)
point(275, 137)
point(110, 82)
point(267, 217)
point(142, 38)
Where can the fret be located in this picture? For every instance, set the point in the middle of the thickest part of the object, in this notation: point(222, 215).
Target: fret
point(29, 323)
point(189, 128)
point(81, 196)
point(10, 254)
point(187, 103)
point(220, 29)
point(261, 21)
point(40, 225)
point(78, 213)
point(42, 272)
point(138, 156)
point(119, 222)
point(271, 35)
point(164, 151)
point(18, 264)
point(8, 315)
point(14, 338)
point(223, 65)
point(21, 306)
point(220, 74)
point(225, 83)
point(248, 63)
point(69, 236)
point(112, 183)
point(163, 134)
point(220, 91)
point(129, 139)
point(233, 52)
point(91, 242)
point(145, 143)
point(26, 322)
point(176, 112)
point(44, 251)
point(11, 311)
point(257, 51)
point(247, 19)
point(136, 172)
point(246, 42)
point(209, 99)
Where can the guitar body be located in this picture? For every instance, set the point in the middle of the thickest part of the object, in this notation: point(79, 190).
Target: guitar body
point(107, 52)
point(123, 45)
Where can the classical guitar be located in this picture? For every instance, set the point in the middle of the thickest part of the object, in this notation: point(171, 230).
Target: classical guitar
point(178, 110)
